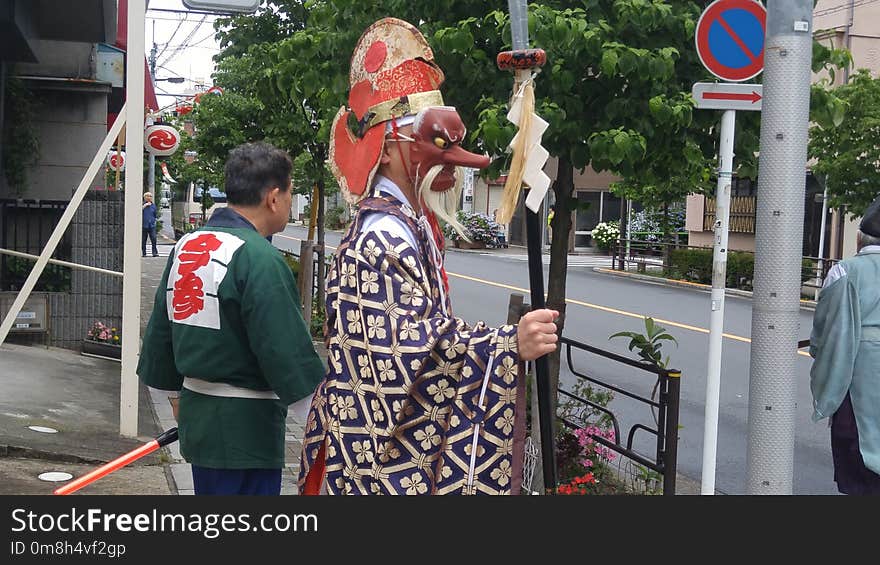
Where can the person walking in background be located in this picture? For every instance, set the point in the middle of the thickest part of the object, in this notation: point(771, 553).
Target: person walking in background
point(148, 227)
point(845, 377)
point(227, 332)
point(550, 213)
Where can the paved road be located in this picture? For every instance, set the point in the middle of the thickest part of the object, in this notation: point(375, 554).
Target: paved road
point(600, 305)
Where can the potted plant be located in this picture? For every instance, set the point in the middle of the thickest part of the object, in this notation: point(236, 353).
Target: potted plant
point(103, 341)
point(481, 230)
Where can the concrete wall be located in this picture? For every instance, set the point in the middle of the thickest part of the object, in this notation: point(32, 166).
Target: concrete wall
point(61, 59)
point(71, 123)
point(864, 34)
point(735, 241)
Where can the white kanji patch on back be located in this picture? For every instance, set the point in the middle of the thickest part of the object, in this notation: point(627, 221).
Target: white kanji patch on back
point(200, 265)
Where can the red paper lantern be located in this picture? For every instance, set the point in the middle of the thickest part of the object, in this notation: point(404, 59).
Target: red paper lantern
point(162, 140)
point(116, 160)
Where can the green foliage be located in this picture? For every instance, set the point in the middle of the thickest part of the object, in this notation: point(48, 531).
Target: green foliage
point(650, 344)
point(847, 153)
point(695, 265)
point(335, 218)
point(292, 263)
point(319, 316)
point(21, 146)
point(582, 414)
point(477, 227)
point(54, 278)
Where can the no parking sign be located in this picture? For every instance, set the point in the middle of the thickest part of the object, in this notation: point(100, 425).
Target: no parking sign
point(730, 39)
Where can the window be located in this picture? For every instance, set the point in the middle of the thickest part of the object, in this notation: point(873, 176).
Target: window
point(216, 194)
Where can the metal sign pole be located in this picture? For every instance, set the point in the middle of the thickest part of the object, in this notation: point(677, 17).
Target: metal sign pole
point(719, 282)
point(134, 188)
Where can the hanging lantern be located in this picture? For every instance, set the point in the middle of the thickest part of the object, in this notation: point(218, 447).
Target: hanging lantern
point(161, 141)
point(116, 160)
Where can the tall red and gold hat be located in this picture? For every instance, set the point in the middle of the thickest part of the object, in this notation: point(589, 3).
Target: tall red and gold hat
point(392, 75)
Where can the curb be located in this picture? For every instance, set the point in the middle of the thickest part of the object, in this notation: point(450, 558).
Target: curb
point(805, 304)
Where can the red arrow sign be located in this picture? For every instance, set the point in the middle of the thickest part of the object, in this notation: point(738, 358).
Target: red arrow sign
point(753, 97)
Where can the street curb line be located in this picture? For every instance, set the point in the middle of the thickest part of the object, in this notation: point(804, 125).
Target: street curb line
point(805, 304)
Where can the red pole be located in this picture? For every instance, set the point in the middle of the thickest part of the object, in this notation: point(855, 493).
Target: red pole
point(104, 470)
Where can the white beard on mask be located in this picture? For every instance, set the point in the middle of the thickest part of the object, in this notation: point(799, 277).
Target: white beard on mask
point(443, 203)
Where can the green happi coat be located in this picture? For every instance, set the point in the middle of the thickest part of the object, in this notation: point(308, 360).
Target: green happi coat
point(227, 316)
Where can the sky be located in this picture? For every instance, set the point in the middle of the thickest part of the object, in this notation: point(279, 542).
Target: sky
point(185, 44)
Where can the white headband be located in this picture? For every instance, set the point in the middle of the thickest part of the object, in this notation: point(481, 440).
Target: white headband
point(401, 121)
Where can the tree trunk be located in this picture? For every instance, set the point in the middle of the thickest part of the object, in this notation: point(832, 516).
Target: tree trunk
point(319, 292)
point(563, 187)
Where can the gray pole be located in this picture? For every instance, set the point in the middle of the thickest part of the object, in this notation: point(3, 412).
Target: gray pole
point(151, 159)
point(719, 284)
point(778, 245)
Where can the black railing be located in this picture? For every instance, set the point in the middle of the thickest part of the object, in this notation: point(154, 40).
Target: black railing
point(665, 457)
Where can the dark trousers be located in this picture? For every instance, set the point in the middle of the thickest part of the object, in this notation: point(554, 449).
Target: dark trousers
point(236, 481)
point(850, 473)
point(151, 232)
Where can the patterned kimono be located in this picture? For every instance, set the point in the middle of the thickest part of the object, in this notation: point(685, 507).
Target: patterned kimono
point(415, 401)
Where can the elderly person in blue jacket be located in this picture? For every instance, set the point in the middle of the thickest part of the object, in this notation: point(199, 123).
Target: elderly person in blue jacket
point(845, 343)
point(148, 227)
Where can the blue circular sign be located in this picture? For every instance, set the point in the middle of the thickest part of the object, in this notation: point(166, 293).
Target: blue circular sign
point(730, 39)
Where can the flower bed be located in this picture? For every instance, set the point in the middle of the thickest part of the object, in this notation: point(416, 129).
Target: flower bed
point(103, 341)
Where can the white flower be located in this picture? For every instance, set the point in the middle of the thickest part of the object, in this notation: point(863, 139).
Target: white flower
point(376, 325)
point(409, 331)
point(427, 437)
point(371, 252)
point(348, 277)
point(441, 390)
point(368, 282)
point(410, 295)
point(507, 370)
point(501, 473)
point(386, 371)
point(363, 451)
point(354, 321)
point(414, 485)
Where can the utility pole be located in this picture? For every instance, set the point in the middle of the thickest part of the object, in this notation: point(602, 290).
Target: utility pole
point(778, 246)
point(151, 159)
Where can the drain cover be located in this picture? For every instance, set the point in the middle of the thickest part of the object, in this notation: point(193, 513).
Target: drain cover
point(43, 429)
point(55, 476)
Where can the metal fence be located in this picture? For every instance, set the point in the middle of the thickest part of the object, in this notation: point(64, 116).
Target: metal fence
point(668, 386)
point(694, 264)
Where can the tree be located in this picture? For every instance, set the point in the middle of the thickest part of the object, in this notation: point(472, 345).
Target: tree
point(615, 89)
point(848, 154)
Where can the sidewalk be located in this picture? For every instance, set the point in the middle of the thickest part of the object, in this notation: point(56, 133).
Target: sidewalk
point(77, 397)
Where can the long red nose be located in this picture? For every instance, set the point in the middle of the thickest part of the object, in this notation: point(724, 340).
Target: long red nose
point(455, 155)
